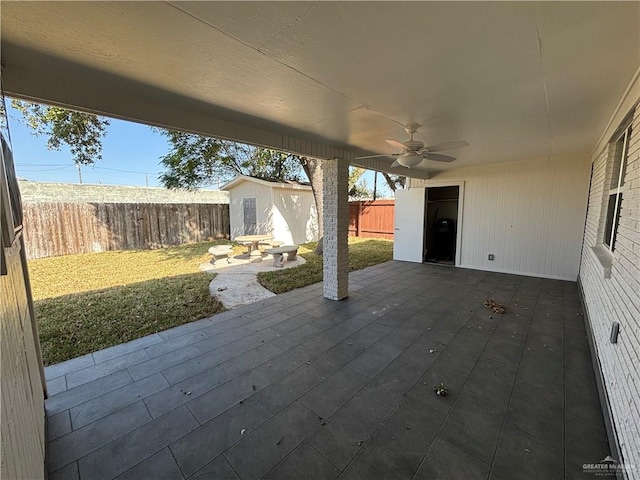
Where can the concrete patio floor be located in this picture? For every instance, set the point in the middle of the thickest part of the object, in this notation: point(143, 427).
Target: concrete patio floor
point(299, 387)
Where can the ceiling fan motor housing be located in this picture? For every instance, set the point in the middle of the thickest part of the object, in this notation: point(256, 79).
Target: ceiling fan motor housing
point(413, 145)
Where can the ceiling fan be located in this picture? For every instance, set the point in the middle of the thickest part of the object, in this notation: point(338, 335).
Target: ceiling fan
point(413, 152)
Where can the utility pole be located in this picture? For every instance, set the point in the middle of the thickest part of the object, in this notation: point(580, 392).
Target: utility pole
point(79, 173)
point(375, 184)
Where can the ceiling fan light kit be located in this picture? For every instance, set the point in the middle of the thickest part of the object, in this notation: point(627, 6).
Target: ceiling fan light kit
point(409, 159)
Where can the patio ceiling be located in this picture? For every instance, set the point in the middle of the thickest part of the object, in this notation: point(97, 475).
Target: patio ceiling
point(517, 80)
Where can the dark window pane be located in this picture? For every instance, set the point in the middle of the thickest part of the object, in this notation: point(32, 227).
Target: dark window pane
point(615, 224)
point(608, 227)
point(618, 161)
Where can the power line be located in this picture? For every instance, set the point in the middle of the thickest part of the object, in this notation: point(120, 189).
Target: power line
point(88, 166)
point(124, 171)
point(19, 164)
point(22, 169)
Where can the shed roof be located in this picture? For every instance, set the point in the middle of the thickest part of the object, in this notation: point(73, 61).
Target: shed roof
point(267, 183)
point(38, 192)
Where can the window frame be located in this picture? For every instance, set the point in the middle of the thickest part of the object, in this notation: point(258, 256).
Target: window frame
point(612, 216)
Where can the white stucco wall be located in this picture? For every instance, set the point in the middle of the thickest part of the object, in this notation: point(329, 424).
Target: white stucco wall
point(294, 216)
point(288, 213)
point(617, 298)
point(529, 214)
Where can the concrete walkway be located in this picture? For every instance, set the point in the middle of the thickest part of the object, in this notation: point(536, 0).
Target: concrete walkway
point(236, 281)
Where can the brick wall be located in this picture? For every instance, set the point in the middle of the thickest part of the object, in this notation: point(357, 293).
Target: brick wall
point(617, 298)
point(336, 226)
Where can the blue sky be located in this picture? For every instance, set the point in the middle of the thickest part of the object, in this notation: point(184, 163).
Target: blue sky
point(130, 156)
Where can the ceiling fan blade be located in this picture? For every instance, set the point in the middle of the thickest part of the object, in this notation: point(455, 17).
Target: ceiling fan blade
point(373, 156)
point(395, 164)
point(441, 147)
point(399, 145)
point(438, 157)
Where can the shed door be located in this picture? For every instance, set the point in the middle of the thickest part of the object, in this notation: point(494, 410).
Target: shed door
point(249, 209)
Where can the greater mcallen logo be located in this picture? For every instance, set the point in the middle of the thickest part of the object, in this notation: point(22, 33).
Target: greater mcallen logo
point(606, 467)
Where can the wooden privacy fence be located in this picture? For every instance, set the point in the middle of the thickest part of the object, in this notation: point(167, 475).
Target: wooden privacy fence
point(52, 229)
point(372, 219)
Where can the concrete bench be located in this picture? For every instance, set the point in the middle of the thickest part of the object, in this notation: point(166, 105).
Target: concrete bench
point(272, 243)
point(219, 251)
point(249, 246)
point(278, 260)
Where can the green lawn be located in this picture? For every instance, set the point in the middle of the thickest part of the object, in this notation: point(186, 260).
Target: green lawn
point(92, 301)
point(363, 252)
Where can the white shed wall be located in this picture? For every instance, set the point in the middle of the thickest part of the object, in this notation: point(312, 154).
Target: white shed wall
point(617, 298)
point(262, 194)
point(529, 214)
point(294, 216)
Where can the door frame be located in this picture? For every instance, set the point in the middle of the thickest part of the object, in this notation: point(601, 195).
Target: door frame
point(444, 183)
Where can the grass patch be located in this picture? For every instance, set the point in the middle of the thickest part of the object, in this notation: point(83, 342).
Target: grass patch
point(92, 301)
point(77, 324)
point(362, 253)
point(55, 276)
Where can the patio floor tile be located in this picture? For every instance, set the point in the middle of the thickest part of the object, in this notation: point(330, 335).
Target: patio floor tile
point(70, 472)
point(99, 407)
point(124, 348)
point(474, 425)
point(109, 366)
point(205, 443)
point(161, 362)
point(218, 468)
point(135, 447)
point(405, 436)
point(326, 398)
point(297, 386)
point(223, 397)
point(538, 412)
point(366, 466)
point(304, 459)
point(519, 453)
point(447, 462)
point(261, 450)
point(283, 393)
point(180, 393)
point(347, 431)
point(193, 366)
point(58, 425)
point(78, 443)
point(160, 466)
point(371, 361)
point(78, 363)
point(76, 396)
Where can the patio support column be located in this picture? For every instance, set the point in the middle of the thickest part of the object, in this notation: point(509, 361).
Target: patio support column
point(335, 175)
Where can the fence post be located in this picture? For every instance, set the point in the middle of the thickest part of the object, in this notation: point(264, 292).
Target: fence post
point(358, 219)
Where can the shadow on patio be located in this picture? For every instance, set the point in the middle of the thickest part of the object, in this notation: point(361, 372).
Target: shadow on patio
point(297, 386)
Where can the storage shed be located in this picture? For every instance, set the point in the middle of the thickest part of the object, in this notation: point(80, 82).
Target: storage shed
point(285, 210)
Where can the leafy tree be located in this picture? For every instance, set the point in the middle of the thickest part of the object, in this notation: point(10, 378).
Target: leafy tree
point(394, 181)
point(357, 185)
point(195, 161)
point(81, 132)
